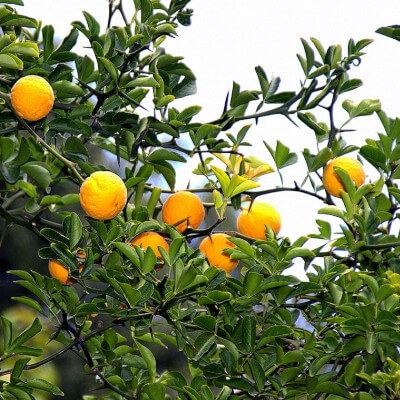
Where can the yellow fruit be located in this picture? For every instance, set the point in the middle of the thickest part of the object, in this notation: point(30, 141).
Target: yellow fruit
point(331, 180)
point(32, 97)
point(58, 271)
point(183, 206)
point(252, 223)
point(103, 195)
point(212, 248)
point(153, 240)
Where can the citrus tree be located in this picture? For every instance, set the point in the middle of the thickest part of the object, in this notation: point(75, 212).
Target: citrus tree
point(124, 276)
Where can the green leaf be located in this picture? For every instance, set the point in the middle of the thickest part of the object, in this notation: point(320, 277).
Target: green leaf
point(143, 81)
point(203, 343)
point(18, 20)
point(148, 358)
point(40, 174)
point(188, 113)
point(384, 292)
point(206, 393)
point(146, 10)
point(29, 302)
point(239, 184)
point(223, 179)
point(217, 198)
point(321, 159)
point(7, 146)
point(155, 391)
point(131, 182)
point(110, 67)
point(28, 333)
point(162, 154)
point(166, 29)
point(80, 111)
point(74, 145)
point(28, 188)
point(11, 61)
point(149, 261)
point(298, 252)
point(17, 2)
point(203, 132)
point(18, 368)
point(93, 25)
point(318, 363)
point(371, 342)
point(10, 172)
point(186, 278)
point(7, 332)
point(350, 84)
point(248, 333)
point(41, 384)
point(282, 157)
point(258, 373)
point(25, 48)
point(251, 283)
point(310, 121)
point(17, 393)
point(332, 388)
point(131, 295)
point(309, 55)
point(365, 107)
point(236, 383)
point(333, 210)
point(48, 41)
point(69, 126)
point(353, 368)
point(164, 100)
point(76, 230)
point(391, 31)
point(68, 88)
point(129, 252)
point(206, 322)
point(374, 155)
point(324, 69)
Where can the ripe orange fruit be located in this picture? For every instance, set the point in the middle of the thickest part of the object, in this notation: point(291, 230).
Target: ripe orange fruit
point(331, 180)
point(103, 195)
point(58, 271)
point(212, 247)
point(153, 240)
point(252, 223)
point(32, 97)
point(183, 206)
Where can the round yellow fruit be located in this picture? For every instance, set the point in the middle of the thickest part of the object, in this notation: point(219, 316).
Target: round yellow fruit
point(32, 97)
point(252, 223)
point(103, 195)
point(212, 247)
point(183, 206)
point(153, 240)
point(331, 180)
point(58, 271)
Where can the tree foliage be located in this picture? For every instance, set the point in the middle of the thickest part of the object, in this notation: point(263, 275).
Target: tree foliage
point(262, 335)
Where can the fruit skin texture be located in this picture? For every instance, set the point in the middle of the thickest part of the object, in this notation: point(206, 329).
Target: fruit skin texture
point(212, 247)
point(153, 240)
point(331, 180)
point(252, 223)
point(58, 271)
point(103, 195)
point(183, 205)
point(32, 97)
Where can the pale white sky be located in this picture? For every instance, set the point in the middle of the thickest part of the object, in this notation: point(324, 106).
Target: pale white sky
point(228, 38)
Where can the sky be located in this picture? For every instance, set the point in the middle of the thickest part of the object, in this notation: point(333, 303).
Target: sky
point(228, 38)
